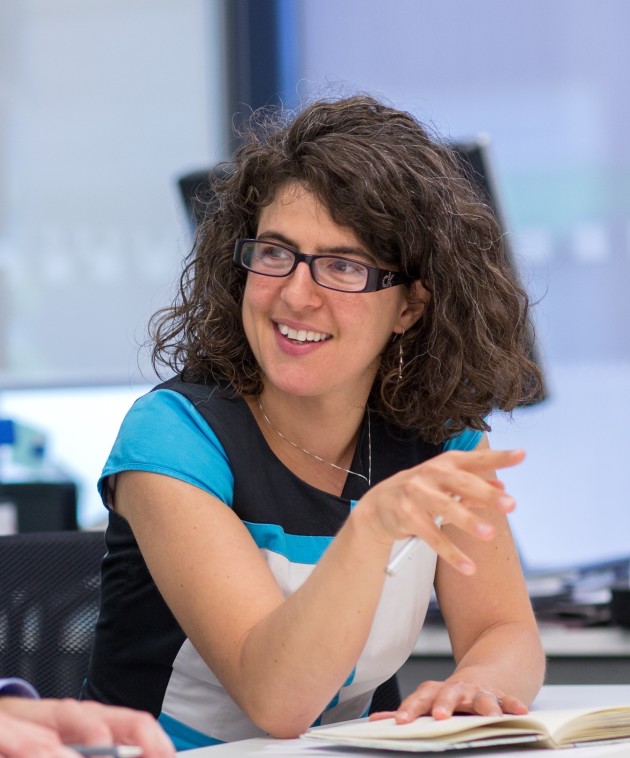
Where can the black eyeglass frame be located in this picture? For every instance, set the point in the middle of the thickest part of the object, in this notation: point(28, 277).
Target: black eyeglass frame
point(377, 278)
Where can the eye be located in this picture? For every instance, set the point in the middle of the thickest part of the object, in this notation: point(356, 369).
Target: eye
point(272, 252)
point(272, 256)
point(344, 267)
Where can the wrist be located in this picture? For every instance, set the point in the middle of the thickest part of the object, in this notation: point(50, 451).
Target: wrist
point(368, 531)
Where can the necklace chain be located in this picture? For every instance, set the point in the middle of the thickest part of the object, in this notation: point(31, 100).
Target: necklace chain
point(367, 478)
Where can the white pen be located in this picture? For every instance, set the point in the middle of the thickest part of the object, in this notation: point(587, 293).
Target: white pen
point(406, 548)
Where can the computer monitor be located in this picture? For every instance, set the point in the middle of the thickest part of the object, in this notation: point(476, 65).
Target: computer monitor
point(476, 165)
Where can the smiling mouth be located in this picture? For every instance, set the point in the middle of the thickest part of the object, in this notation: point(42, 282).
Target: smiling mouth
point(302, 335)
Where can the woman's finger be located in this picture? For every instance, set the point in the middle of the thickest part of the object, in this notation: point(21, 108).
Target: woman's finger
point(380, 715)
point(418, 703)
point(486, 703)
point(470, 698)
point(485, 460)
point(475, 492)
point(452, 697)
point(442, 699)
point(511, 704)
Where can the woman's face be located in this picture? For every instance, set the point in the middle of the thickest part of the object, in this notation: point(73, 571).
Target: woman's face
point(309, 340)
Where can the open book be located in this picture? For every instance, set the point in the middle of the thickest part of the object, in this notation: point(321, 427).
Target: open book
point(558, 728)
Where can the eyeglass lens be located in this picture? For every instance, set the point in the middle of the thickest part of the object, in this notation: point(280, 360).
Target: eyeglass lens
point(331, 271)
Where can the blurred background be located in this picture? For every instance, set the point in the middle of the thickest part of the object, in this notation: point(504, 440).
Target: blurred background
point(105, 105)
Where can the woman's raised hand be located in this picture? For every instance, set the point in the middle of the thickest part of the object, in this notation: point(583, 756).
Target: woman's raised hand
point(454, 488)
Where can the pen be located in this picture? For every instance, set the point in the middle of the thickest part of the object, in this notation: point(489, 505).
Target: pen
point(116, 751)
point(407, 547)
point(410, 543)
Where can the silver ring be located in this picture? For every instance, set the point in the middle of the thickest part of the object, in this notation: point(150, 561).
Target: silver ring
point(438, 520)
point(488, 694)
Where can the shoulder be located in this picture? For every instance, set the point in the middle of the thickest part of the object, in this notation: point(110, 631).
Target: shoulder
point(175, 430)
point(167, 415)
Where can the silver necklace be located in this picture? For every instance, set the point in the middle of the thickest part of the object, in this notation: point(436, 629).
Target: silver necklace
point(367, 478)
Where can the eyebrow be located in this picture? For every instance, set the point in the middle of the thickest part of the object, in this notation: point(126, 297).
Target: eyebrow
point(350, 250)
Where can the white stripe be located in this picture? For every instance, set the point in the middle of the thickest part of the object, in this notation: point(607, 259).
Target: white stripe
point(195, 697)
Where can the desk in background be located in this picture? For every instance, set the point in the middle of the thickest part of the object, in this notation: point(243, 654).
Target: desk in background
point(551, 696)
point(592, 655)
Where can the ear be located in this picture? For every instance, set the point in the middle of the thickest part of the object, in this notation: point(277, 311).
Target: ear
point(413, 307)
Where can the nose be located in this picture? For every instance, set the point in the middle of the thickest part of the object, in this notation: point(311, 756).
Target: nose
point(300, 290)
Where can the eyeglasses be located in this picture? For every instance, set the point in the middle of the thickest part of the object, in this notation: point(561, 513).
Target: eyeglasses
point(335, 272)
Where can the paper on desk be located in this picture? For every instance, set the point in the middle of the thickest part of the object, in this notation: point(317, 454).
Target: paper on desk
point(581, 751)
point(300, 747)
point(297, 747)
point(594, 751)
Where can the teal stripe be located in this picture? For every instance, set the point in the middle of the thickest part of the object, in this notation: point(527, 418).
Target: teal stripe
point(297, 548)
point(347, 683)
point(164, 433)
point(467, 440)
point(335, 700)
point(185, 737)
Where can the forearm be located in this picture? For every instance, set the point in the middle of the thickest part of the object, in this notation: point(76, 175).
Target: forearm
point(317, 634)
point(507, 657)
point(299, 656)
point(281, 639)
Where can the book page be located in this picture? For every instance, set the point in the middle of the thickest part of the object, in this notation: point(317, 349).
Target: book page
point(564, 724)
point(609, 723)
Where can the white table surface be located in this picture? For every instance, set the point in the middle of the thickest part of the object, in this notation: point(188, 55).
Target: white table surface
point(551, 696)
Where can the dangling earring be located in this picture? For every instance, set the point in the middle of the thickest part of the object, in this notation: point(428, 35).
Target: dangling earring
point(400, 358)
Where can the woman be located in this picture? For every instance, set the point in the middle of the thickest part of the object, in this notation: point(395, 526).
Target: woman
point(345, 324)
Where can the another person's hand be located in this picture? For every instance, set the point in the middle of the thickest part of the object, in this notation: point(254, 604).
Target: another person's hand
point(455, 488)
point(42, 728)
point(442, 699)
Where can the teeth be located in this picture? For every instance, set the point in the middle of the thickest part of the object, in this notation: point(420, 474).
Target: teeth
point(302, 335)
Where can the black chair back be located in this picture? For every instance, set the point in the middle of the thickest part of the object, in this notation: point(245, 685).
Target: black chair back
point(49, 601)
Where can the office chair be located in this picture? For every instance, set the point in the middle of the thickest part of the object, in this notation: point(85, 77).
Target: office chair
point(49, 600)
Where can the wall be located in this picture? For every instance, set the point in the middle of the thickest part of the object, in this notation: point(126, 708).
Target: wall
point(102, 106)
point(546, 80)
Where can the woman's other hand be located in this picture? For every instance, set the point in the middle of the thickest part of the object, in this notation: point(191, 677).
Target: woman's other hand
point(442, 699)
point(454, 488)
point(42, 728)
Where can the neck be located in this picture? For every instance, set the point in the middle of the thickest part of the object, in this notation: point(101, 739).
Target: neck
point(327, 427)
point(323, 444)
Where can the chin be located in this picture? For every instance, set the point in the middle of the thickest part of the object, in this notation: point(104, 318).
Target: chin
point(296, 388)
point(295, 381)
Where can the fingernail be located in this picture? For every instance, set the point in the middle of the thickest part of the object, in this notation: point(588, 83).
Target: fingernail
point(506, 503)
point(402, 716)
point(467, 568)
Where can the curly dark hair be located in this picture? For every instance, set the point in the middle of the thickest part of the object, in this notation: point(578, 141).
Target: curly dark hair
point(378, 171)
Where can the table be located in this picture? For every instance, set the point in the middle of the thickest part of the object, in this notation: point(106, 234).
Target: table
point(551, 696)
